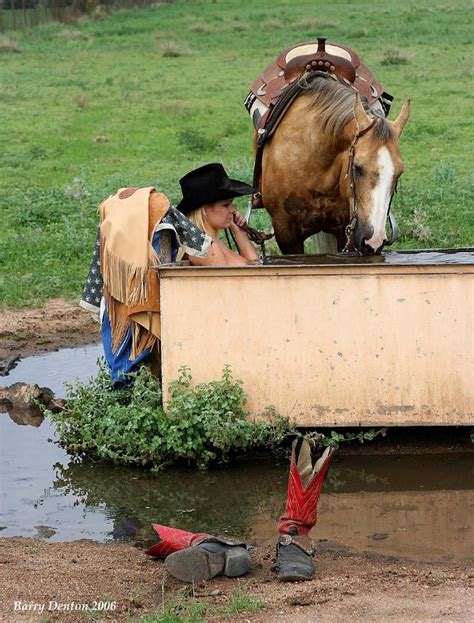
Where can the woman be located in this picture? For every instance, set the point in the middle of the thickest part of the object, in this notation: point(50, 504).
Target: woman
point(207, 202)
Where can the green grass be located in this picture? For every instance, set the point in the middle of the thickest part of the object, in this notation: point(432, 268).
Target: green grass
point(241, 602)
point(178, 610)
point(144, 96)
point(186, 609)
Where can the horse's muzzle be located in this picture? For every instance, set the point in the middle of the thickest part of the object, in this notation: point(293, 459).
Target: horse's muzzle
point(361, 235)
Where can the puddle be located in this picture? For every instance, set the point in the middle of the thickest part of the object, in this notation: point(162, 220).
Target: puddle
point(419, 507)
point(54, 369)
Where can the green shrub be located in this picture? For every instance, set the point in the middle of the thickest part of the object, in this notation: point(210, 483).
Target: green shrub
point(129, 426)
point(196, 141)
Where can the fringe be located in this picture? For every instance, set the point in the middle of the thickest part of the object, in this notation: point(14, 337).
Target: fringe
point(118, 318)
point(126, 283)
point(141, 340)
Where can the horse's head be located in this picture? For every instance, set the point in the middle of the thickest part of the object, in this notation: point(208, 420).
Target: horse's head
point(371, 174)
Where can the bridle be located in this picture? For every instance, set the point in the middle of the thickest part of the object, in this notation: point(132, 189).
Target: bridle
point(350, 227)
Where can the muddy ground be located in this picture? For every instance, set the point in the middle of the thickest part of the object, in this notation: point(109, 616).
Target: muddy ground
point(347, 587)
point(59, 324)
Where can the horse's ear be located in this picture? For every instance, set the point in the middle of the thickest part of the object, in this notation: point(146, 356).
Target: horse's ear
point(362, 118)
point(402, 119)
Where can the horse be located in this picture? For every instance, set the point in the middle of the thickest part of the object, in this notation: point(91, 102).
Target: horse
point(330, 163)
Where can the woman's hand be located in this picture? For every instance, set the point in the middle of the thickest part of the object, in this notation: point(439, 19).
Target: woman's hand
point(238, 221)
point(244, 245)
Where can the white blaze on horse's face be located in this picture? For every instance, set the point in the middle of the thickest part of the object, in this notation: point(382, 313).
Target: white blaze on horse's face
point(380, 199)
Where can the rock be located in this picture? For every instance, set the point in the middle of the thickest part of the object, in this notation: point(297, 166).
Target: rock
point(22, 395)
point(8, 364)
point(44, 532)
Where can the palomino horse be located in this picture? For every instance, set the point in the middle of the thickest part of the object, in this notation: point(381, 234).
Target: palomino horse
point(330, 163)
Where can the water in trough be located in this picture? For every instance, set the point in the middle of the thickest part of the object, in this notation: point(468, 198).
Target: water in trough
point(393, 258)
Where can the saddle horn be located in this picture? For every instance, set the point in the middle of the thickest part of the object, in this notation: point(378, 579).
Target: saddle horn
point(320, 61)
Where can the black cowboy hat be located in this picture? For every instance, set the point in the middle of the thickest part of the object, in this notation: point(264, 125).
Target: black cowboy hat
point(208, 184)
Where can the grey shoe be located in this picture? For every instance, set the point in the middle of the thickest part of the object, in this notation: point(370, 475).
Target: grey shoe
point(294, 558)
point(206, 560)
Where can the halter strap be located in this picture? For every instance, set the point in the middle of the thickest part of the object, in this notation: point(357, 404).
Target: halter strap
point(349, 231)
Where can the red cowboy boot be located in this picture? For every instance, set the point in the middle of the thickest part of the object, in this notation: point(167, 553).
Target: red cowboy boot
point(294, 547)
point(197, 557)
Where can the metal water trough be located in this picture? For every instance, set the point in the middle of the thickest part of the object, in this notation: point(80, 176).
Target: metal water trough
point(328, 340)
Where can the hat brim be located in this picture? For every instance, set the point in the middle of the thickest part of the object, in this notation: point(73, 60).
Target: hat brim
point(236, 189)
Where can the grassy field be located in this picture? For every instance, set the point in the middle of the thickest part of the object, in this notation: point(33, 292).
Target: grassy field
point(141, 97)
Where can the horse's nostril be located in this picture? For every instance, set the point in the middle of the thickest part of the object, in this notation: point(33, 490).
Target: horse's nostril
point(366, 249)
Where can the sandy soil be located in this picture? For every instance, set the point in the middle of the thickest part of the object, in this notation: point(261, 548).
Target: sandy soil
point(59, 324)
point(348, 587)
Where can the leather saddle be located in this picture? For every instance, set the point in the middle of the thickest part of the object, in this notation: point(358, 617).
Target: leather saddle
point(303, 59)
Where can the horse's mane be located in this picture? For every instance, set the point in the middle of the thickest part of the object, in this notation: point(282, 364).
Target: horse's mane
point(335, 103)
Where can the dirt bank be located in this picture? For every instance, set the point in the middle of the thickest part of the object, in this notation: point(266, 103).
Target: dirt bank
point(59, 324)
point(348, 587)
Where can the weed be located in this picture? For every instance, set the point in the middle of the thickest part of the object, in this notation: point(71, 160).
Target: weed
point(237, 26)
point(177, 610)
point(93, 615)
point(33, 549)
point(307, 23)
point(420, 231)
point(129, 426)
point(99, 12)
point(360, 33)
point(195, 141)
point(444, 173)
point(394, 56)
point(327, 24)
point(173, 108)
point(135, 597)
point(242, 602)
point(171, 49)
point(272, 24)
point(200, 27)
point(334, 438)
point(71, 34)
point(7, 44)
point(82, 101)
point(314, 25)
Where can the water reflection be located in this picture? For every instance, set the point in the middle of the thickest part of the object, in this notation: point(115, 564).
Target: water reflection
point(403, 506)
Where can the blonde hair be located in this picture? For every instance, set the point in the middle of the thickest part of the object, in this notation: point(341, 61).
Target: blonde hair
point(198, 218)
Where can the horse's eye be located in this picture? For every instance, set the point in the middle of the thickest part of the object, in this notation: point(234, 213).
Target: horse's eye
point(359, 169)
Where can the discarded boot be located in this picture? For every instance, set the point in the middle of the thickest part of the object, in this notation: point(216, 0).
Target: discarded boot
point(197, 557)
point(294, 547)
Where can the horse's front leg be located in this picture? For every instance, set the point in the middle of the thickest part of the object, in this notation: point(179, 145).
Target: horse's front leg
point(288, 235)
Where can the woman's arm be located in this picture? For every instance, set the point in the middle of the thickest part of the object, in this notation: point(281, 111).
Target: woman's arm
point(219, 255)
point(246, 248)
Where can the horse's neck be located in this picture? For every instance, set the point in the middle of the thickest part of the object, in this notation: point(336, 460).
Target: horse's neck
point(326, 154)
